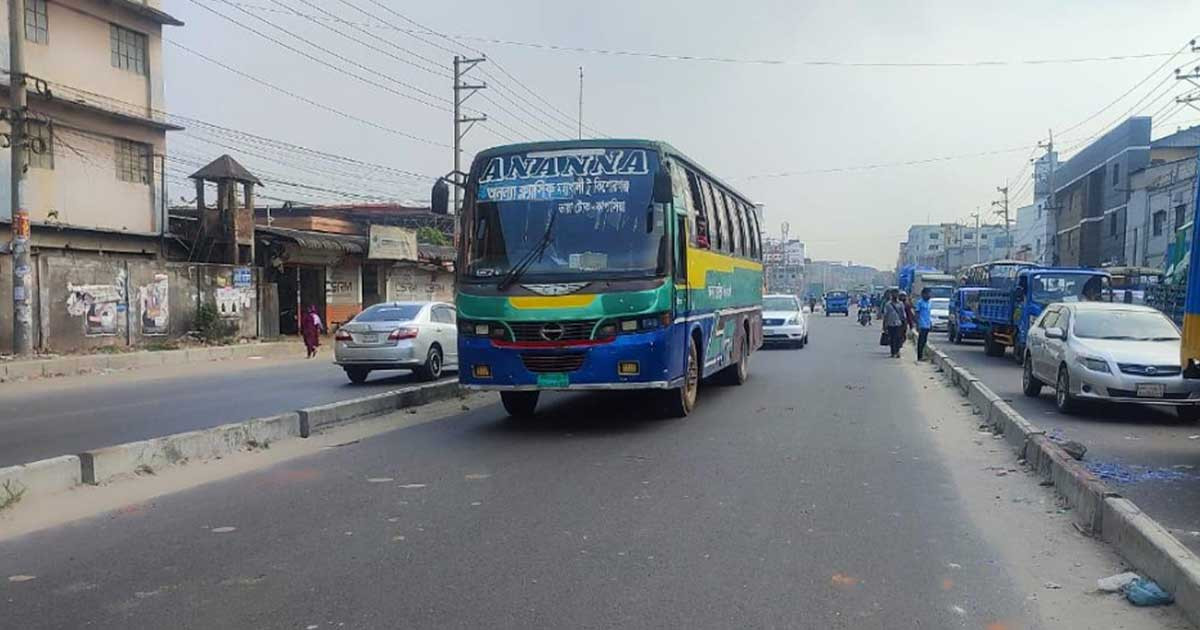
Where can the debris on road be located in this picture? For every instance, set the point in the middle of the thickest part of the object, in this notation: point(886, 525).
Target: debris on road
point(1054, 586)
point(1115, 583)
point(1120, 473)
point(1147, 592)
point(1074, 449)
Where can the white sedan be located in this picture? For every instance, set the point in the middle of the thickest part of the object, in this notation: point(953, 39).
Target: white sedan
point(417, 336)
point(784, 322)
point(1108, 352)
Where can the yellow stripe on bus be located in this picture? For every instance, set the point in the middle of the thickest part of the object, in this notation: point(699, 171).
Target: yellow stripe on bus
point(702, 261)
point(1190, 346)
point(551, 301)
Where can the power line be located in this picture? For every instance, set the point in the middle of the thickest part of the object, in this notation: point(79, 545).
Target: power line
point(304, 99)
point(866, 167)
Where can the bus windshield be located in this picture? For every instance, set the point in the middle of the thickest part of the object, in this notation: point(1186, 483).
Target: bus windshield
point(592, 208)
point(939, 291)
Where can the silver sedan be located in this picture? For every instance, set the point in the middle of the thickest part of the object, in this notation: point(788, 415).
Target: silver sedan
point(417, 336)
point(1108, 352)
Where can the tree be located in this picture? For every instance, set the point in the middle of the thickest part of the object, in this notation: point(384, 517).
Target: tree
point(431, 236)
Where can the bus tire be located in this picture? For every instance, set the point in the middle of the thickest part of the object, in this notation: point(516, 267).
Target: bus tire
point(519, 404)
point(991, 348)
point(682, 400)
point(737, 373)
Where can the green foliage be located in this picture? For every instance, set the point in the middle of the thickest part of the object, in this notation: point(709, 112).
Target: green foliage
point(431, 236)
point(209, 325)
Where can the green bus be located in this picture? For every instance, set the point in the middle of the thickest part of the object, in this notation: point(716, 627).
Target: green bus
point(604, 265)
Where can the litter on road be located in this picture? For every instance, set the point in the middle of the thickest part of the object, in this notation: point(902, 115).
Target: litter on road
point(1115, 583)
point(1146, 592)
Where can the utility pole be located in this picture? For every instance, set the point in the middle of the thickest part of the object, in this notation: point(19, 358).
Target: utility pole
point(978, 238)
point(581, 102)
point(1050, 205)
point(1191, 77)
point(462, 92)
point(1002, 211)
point(22, 271)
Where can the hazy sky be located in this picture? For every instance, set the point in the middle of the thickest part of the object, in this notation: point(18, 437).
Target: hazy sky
point(742, 121)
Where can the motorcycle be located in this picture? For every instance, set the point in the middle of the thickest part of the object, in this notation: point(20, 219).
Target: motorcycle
point(864, 317)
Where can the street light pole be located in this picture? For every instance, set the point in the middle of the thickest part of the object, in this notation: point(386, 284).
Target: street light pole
point(22, 270)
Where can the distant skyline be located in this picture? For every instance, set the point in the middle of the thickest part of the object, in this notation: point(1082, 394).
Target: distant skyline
point(780, 132)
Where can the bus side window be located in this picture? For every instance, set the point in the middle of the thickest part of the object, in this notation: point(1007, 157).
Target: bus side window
point(742, 228)
point(718, 221)
point(680, 249)
point(730, 226)
point(699, 216)
point(755, 234)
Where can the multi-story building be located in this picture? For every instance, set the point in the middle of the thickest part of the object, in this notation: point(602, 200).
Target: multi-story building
point(1029, 240)
point(1160, 210)
point(925, 245)
point(97, 110)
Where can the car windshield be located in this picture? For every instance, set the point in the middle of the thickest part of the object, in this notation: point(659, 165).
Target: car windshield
point(836, 295)
point(939, 304)
point(1132, 325)
point(780, 304)
point(1049, 288)
point(569, 214)
point(389, 313)
point(941, 291)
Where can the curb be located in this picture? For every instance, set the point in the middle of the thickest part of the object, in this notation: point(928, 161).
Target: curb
point(1137, 537)
point(88, 363)
point(98, 466)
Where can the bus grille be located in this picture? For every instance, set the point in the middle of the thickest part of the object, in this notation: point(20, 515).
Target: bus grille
point(571, 331)
point(542, 363)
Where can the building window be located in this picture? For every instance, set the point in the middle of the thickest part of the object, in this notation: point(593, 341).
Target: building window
point(37, 26)
point(133, 161)
point(1180, 216)
point(41, 144)
point(933, 247)
point(1116, 175)
point(1160, 221)
point(983, 237)
point(128, 49)
point(1112, 224)
point(933, 236)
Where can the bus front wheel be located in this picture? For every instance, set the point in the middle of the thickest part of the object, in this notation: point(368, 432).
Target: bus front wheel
point(682, 400)
point(519, 404)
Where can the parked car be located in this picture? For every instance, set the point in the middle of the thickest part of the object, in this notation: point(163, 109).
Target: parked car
point(939, 308)
point(417, 336)
point(1108, 352)
point(784, 321)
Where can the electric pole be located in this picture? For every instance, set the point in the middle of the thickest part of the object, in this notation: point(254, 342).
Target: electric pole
point(462, 92)
point(978, 238)
point(581, 102)
point(1002, 211)
point(1191, 77)
point(19, 245)
point(1050, 205)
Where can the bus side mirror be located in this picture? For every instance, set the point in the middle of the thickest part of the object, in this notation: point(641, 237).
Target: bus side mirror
point(439, 198)
point(662, 186)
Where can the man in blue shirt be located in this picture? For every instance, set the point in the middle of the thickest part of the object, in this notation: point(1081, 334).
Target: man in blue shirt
point(924, 321)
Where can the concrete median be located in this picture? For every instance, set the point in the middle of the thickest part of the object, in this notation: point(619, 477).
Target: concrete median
point(1016, 429)
point(84, 364)
point(981, 397)
point(315, 418)
point(1153, 550)
point(46, 476)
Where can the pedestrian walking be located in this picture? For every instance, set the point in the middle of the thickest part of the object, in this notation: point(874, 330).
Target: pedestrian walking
point(924, 311)
point(893, 322)
point(310, 329)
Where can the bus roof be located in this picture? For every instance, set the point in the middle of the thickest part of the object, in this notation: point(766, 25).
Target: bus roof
point(602, 143)
point(1080, 271)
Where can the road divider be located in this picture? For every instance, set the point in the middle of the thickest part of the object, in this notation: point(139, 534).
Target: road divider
point(103, 465)
point(1096, 509)
point(85, 364)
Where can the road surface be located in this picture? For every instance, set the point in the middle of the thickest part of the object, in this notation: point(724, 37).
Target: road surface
point(838, 488)
point(1160, 453)
point(61, 416)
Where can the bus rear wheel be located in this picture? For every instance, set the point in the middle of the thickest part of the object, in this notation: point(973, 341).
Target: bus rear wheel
point(682, 400)
point(519, 404)
point(737, 373)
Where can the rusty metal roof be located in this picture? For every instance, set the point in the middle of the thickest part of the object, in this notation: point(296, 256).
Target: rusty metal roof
point(225, 167)
point(345, 243)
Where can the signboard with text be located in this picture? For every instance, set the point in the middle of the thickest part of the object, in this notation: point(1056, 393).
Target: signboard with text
point(391, 243)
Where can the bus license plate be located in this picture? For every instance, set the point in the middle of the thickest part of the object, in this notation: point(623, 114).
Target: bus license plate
point(1150, 390)
point(553, 379)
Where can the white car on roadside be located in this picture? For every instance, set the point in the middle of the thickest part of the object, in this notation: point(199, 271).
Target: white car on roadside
point(784, 321)
point(1101, 351)
point(417, 336)
point(939, 309)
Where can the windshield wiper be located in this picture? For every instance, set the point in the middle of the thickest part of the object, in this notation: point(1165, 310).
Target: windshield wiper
point(519, 269)
point(1117, 337)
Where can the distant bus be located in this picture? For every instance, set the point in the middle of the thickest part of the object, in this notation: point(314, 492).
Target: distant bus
point(1129, 284)
point(604, 265)
point(940, 285)
point(999, 274)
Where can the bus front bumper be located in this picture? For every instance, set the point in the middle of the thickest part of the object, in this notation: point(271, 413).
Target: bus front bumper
point(585, 367)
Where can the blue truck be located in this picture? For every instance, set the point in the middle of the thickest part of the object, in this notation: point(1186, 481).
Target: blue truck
point(837, 302)
point(1006, 314)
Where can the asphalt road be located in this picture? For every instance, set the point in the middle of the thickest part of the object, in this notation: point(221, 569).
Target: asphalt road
point(1151, 445)
point(810, 497)
point(50, 417)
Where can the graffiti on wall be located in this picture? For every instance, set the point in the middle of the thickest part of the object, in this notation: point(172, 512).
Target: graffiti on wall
point(152, 302)
point(100, 305)
point(232, 300)
point(412, 284)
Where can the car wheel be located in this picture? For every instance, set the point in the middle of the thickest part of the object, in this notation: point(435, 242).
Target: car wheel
point(1188, 413)
point(432, 370)
point(519, 404)
point(358, 376)
point(1063, 400)
point(682, 400)
point(1018, 354)
point(1030, 383)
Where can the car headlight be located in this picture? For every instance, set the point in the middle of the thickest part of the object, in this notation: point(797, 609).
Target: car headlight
point(794, 320)
point(1095, 365)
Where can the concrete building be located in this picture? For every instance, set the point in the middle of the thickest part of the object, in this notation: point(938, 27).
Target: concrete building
point(1029, 235)
point(925, 245)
